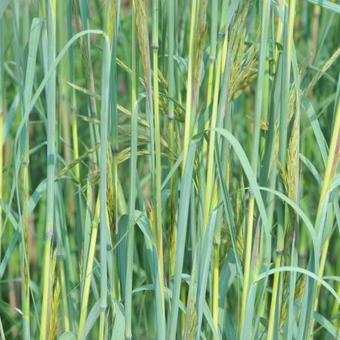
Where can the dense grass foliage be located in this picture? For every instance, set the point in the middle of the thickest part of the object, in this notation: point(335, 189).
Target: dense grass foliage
point(169, 169)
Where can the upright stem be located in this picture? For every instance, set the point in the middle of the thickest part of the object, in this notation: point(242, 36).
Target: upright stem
point(133, 168)
point(315, 32)
point(2, 112)
point(189, 97)
point(64, 107)
point(331, 167)
point(51, 159)
point(171, 118)
point(211, 149)
point(282, 154)
point(29, 78)
point(88, 273)
point(102, 184)
point(73, 110)
point(254, 158)
point(281, 7)
point(209, 188)
point(158, 170)
point(212, 54)
point(212, 66)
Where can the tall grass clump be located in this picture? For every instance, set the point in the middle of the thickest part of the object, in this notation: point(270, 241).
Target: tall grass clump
point(169, 169)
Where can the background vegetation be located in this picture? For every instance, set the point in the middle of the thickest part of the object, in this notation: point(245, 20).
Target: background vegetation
point(169, 169)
